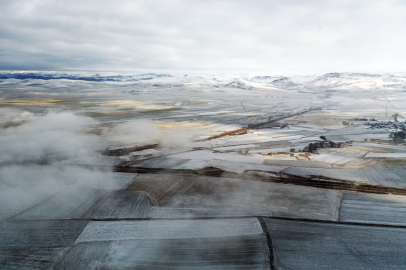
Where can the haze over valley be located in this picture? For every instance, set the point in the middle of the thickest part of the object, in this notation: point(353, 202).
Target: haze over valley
point(202, 134)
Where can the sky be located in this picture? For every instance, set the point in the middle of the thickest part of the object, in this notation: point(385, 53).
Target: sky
point(259, 36)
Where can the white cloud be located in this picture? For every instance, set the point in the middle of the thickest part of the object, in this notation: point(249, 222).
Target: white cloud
point(30, 168)
point(47, 138)
point(236, 36)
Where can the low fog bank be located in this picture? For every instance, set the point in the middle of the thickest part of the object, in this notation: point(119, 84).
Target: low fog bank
point(133, 131)
point(10, 117)
point(143, 131)
point(42, 155)
point(31, 155)
point(48, 138)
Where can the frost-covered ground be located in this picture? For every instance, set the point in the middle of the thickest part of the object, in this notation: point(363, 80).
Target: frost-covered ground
point(192, 147)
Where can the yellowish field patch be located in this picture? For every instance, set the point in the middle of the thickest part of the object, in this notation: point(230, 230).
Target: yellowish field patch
point(134, 104)
point(128, 103)
point(24, 102)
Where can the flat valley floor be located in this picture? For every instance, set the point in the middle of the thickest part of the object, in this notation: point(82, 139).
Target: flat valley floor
point(159, 171)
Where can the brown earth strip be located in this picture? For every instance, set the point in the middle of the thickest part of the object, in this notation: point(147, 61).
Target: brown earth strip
point(126, 151)
point(244, 130)
point(277, 177)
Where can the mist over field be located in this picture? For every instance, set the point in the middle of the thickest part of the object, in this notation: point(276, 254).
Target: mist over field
point(30, 163)
point(215, 134)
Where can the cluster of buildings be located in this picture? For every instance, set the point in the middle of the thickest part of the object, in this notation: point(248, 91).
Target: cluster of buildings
point(393, 126)
point(312, 147)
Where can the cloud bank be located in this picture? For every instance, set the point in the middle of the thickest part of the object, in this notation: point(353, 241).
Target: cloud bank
point(30, 167)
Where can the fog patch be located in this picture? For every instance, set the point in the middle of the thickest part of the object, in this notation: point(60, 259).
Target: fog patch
point(138, 133)
point(176, 138)
point(10, 117)
point(30, 164)
point(131, 132)
point(180, 138)
point(47, 139)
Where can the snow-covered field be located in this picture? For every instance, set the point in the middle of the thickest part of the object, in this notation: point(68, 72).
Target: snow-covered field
point(183, 121)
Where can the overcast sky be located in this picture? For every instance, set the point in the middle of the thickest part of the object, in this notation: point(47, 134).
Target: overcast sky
point(204, 35)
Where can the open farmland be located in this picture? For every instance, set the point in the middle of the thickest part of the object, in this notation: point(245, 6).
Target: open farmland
point(202, 171)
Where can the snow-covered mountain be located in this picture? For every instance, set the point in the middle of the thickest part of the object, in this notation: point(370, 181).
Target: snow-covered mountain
point(358, 81)
point(328, 81)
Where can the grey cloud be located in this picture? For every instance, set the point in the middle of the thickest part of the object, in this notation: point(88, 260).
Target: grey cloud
point(235, 36)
